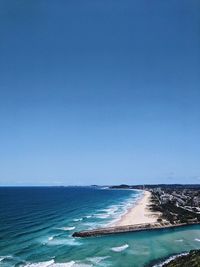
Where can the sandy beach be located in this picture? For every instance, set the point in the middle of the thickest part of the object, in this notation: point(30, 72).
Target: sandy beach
point(139, 213)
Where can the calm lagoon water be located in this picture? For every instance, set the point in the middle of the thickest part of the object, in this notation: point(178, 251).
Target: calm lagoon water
point(36, 226)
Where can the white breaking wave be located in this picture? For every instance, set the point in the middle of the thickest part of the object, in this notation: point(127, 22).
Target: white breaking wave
point(112, 209)
point(50, 238)
point(119, 249)
point(78, 220)
point(82, 265)
point(67, 228)
point(5, 257)
point(170, 259)
point(179, 240)
point(40, 264)
point(117, 211)
point(107, 212)
point(96, 260)
point(64, 241)
point(88, 216)
point(51, 263)
point(66, 264)
point(102, 215)
point(93, 225)
point(197, 239)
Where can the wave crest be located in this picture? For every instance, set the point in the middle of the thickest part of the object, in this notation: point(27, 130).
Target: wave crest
point(119, 249)
point(52, 263)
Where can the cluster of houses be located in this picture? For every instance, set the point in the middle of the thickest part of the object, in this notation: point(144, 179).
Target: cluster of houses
point(187, 198)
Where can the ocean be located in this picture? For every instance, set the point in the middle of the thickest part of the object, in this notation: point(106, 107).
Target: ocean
point(36, 226)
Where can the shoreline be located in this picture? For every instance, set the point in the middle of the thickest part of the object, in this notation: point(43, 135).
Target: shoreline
point(138, 213)
point(137, 218)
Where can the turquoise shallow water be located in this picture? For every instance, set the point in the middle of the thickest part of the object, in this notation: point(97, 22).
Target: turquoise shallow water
point(36, 225)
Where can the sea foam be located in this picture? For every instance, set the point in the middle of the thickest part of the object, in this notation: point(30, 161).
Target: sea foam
point(40, 264)
point(67, 228)
point(119, 249)
point(102, 215)
point(78, 220)
point(117, 211)
point(88, 216)
point(5, 257)
point(96, 260)
point(52, 263)
point(170, 259)
point(64, 241)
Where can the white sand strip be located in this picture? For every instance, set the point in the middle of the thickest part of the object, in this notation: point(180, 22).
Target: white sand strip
point(139, 213)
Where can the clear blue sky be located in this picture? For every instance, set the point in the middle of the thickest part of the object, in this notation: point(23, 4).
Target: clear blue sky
point(99, 92)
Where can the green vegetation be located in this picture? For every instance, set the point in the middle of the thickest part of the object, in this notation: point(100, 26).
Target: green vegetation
point(190, 260)
point(172, 211)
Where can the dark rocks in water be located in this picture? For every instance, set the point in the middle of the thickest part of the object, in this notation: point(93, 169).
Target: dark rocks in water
point(128, 228)
point(115, 230)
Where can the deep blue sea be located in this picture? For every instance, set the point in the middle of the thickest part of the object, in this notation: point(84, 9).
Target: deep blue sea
point(36, 226)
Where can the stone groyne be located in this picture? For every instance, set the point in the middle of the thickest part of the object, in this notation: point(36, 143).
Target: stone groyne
point(128, 228)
